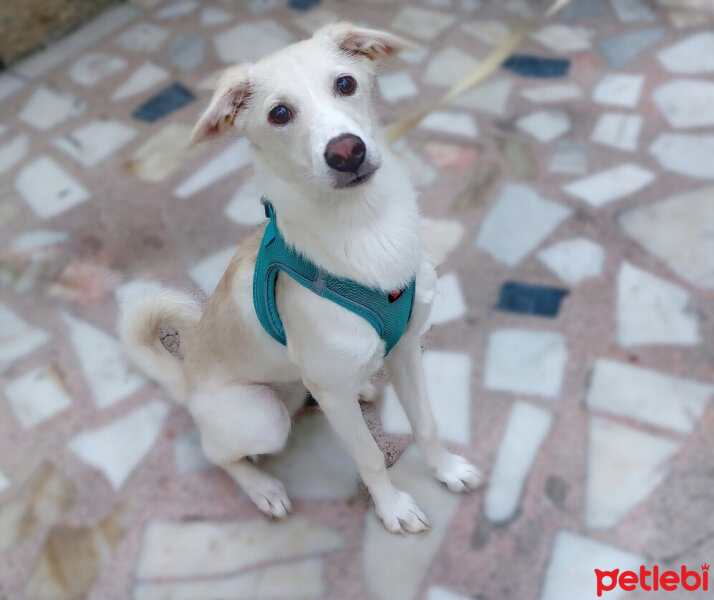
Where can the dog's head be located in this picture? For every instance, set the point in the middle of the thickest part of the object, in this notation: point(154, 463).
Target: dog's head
point(307, 109)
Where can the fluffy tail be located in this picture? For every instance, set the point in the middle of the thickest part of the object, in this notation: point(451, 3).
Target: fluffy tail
point(143, 308)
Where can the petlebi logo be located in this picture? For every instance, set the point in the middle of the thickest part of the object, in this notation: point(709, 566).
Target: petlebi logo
point(653, 580)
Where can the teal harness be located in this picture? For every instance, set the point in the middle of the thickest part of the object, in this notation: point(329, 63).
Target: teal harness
point(387, 312)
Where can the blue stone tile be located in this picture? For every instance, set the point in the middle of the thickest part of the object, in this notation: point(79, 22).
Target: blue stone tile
point(186, 52)
point(622, 49)
point(166, 101)
point(583, 9)
point(302, 4)
point(530, 299)
point(528, 65)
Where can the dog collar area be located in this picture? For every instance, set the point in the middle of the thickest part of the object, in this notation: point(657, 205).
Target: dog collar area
point(387, 311)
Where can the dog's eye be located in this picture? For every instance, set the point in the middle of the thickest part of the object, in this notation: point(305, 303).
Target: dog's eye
point(280, 114)
point(346, 85)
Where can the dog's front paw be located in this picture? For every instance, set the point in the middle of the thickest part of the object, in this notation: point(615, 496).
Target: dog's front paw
point(269, 495)
point(457, 473)
point(401, 514)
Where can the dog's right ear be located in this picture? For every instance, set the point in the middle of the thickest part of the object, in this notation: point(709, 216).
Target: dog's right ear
point(229, 99)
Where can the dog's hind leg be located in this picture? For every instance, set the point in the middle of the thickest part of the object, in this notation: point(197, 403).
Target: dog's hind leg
point(241, 420)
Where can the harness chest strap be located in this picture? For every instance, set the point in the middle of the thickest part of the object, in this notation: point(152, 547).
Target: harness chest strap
point(387, 312)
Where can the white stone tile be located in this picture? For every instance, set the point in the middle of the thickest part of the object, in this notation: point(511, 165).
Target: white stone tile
point(570, 158)
point(439, 238)
point(470, 6)
point(203, 548)
point(618, 130)
point(571, 570)
point(449, 304)
point(691, 155)
point(396, 86)
point(231, 159)
point(298, 579)
point(574, 260)
point(521, 8)
point(91, 68)
point(117, 449)
point(436, 592)
point(678, 230)
point(95, 141)
point(389, 579)
point(9, 84)
point(142, 37)
point(447, 66)
point(422, 23)
point(624, 466)
point(4, 482)
point(259, 7)
point(526, 361)
point(208, 272)
point(37, 396)
point(101, 356)
point(452, 123)
point(682, 18)
point(648, 396)
point(188, 453)
point(48, 189)
point(175, 10)
point(563, 38)
point(37, 239)
point(245, 206)
point(545, 125)
point(414, 56)
point(144, 78)
point(619, 89)
point(694, 55)
point(612, 184)
point(13, 152)
point(186, 52)
point(162, 153)
point(249, 42)
point(527, 428)
point(490, 32)
point(686, 102)
point(212, 16)
point(651, 311)
point(519, 221)
point(315, 18)
point(423, 174)
point(448, 381)
point(490, 98)
point(48, 107)
point(557, 92)
point(632, 11)
point(17, 337)
point(314, 465)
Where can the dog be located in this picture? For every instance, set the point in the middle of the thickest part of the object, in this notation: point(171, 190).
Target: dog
point(344, 201)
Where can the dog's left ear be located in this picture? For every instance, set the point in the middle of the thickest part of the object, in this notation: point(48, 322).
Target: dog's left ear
point(370, 43)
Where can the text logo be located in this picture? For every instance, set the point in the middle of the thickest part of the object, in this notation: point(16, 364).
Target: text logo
point(653, 580)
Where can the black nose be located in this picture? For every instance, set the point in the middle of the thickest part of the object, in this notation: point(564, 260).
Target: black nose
point(345, 153)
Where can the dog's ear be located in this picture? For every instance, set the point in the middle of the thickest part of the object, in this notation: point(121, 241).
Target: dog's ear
point(370, 43)
point(229, 99)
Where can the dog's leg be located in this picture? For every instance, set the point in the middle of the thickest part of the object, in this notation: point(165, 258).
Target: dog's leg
point(406, 372)
point(397, 509)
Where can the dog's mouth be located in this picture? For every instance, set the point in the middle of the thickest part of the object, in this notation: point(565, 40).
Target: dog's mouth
point(357, 179)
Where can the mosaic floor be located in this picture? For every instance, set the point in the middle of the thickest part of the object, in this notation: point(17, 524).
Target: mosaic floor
point(572, 342)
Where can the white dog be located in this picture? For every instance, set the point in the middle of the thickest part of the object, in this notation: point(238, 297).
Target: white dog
point(344, 202)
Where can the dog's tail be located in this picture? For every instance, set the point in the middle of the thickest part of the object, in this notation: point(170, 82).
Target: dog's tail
point(144, 307)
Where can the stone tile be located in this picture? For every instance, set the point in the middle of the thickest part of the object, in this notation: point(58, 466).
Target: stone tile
point(142, 37)
point(144, 78)
point(312, 20)
point(448, 66)
point(570, 158)
point(37, 395)
point(452, 123)
point(682, 19)
point(43, 498)
point(249, 42)
point(48, 189)
point(415, 55)
point(526, 361)
point(436, 592)
point(4, 482)
point(208, 272)
point(519, 220)
point(686, 102)
point(529, 65)
point(574, 260)
point(18, 337)
point(448, 381)
point(690, 155)
point(202, 549)
point(9, 85)
point(545, 125)
point(620, 50)
point(259, 7)
point(231, 159)
point(396, 86)
point(490, 98)
point(245, 206)
point(677, 231)
point(558, 92)
point(32, 241)
point(618, 130)
point(161, 154)
point(93, 67)
point(694, 55)
point(116, 449)
point(422, 23)
point(530, 299)
point(624, 467)
point(13, 152)
point(520, 158)
point(101, 356)
point(423, 174)
point(387, 579)
point(178, 9)
point(449, 304)
point(490, 32)
point(619, 89)
point(168, 100)
point(186, 52)
point(527, 428)
point(651, 310)
point(95, 141)
point(450, 157)
point(48, 107)
point(571, 571)
point(612, 184)
point(632, 11)
point(648, 396)
point(563, 38)
point(212, 16)
point(188, 453)
point(439, 238)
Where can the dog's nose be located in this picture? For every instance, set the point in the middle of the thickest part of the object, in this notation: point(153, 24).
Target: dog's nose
point(345, 153)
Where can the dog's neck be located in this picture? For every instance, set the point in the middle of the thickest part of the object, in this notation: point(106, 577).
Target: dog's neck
point(368, 234)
